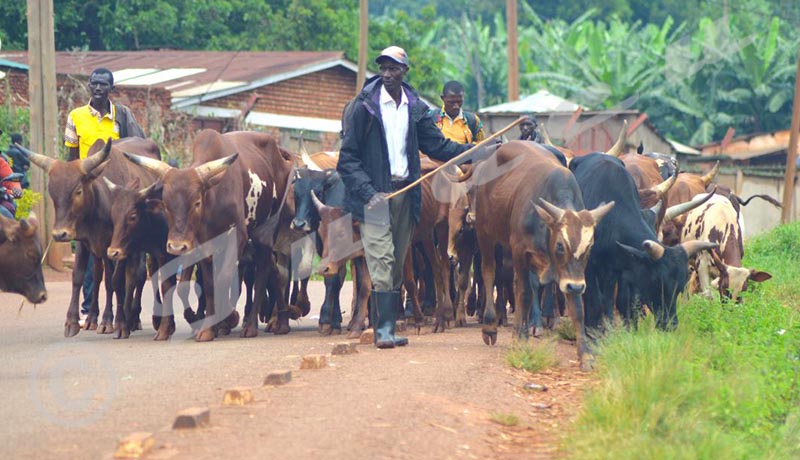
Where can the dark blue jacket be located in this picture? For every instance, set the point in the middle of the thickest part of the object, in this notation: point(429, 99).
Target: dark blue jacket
point(364, 158)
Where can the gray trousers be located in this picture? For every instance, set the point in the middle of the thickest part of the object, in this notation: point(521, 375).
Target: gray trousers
point(386, 234)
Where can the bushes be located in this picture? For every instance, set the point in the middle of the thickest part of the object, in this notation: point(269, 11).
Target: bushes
point(26, 203)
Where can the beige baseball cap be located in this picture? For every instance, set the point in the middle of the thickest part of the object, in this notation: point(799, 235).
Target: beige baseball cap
point(394, 53)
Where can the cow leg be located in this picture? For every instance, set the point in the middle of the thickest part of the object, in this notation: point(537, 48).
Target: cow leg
point(625, 303)
point(251, 309)
point(71, 325)
point(364, 288)
point(576, 311)
point(166, 317)
point(704, 273)
point(184, 287)
point(440, 264)
point(258, 283)
point(207, 331)
point(303, 301)
point(462, 288)
point(141, 280)
point(412, 307)
point(126, 319)
point(428, 303)
point(548, 302)
point(104, 267)
point(277, 277)
point(489, 330)
point(480, 288)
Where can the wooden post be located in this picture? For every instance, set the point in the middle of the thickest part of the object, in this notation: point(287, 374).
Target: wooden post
point(43, 107)
point(791, 157)
point(362, 44)
point(513, 50)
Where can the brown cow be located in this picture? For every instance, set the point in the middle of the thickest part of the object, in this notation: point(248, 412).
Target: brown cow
point(320, 161)
point(21, 259)
point(217, 193)
point(531, 205)
point(83, 213)
point(686, 187)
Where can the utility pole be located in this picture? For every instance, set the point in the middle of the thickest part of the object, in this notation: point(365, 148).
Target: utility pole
point(791, 157)
point(43, 103)
point(513, 50)
point(362, 44)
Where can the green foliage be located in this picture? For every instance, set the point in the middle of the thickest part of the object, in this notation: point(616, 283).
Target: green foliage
point(26, 203)
point(12, 120)
point(724, 385)
point(530, 357)
point(566, 330)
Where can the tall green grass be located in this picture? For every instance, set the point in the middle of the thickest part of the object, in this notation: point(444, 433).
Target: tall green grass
point(723, 386)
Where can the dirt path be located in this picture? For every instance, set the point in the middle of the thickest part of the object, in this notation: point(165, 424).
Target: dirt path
point(431, 400)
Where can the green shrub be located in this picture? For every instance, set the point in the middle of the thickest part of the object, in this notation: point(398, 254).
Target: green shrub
point(505, 419)
point(530, 357)
point(566, 330)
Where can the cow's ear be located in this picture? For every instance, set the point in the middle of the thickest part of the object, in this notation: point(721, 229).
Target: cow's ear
point(636, 254)
point(759, 276)
point(96, 172)
point(215, 179)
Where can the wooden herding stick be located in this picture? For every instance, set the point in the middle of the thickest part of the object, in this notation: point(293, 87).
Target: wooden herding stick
point(456, 158)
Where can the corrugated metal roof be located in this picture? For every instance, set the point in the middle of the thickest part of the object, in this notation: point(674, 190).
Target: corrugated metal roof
point(12, 64)
point(750, 146)
point(205, 71)
point(540, 101)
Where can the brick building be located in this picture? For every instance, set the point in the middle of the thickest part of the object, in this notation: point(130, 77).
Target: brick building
point(291, 95)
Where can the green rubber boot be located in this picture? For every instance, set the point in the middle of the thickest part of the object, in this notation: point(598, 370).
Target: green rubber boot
point(384, 310)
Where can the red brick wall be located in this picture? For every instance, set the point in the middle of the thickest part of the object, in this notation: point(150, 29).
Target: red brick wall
point(321, 94)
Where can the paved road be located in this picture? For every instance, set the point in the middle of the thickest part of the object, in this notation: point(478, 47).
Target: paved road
point(74, 398)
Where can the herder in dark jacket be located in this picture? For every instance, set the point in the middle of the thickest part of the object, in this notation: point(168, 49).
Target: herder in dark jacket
point(383, 133)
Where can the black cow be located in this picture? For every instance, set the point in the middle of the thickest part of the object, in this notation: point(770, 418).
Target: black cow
point(626, 252)
point(329, 188)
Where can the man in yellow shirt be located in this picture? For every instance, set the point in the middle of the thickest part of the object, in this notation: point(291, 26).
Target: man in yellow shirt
point(99, 119)
point(456, 124)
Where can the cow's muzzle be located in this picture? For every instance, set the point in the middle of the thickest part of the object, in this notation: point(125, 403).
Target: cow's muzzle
point(177, 248)
point(115, 253)
point(63, 235)
point(39, 297)
point(572, 287)
point(300, 224)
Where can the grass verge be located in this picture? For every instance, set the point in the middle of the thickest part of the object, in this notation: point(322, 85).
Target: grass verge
point(723, 386)
point(505, 419)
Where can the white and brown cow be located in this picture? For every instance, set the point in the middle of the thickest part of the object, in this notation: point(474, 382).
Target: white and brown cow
point(717, 221)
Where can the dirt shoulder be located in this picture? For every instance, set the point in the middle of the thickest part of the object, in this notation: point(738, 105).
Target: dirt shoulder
point(432, 399)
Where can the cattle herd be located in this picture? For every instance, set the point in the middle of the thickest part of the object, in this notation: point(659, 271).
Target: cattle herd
point(532, 227)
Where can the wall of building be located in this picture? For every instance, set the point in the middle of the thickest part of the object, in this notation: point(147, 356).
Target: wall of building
point(760, 216)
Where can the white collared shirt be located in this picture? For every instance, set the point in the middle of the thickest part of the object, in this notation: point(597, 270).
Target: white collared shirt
point(453, 120)
point(395, 125)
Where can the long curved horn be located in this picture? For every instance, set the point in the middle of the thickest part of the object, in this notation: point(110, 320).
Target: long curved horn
point(656, 209)
point(599, 212)
point(158, 167)
point(662, 188)
point(317, 204)
point(39, 160)
point(88, 164)
point(111, 186)
point(708, 177)
point(617, 149)
point(552, 209)
point(545, 137)
point(693, 247)
point(678, 209)
point(653, 249)
point(145, 192)
point(208, 170)
point(310, 163)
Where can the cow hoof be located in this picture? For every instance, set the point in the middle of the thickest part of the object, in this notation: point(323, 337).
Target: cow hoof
point(206, 335)
point(156, 322)
point(71, 329)
point(295, 312)
point(324, 329)
point(461, 322)
point(282, 329)
point(354, 334)
point(489, 337)
point(232, 320)
point(249, 331)
point(90, 325)
point(587, 363)
point(336, 331)
point(104, 328)
point(223, 329)
point(137, 326)
point(122, 332)
point(161, 336)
